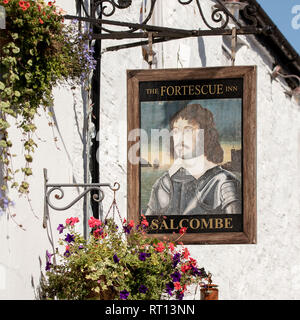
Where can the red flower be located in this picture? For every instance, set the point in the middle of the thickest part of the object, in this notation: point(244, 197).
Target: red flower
point(182, 230)
point(5, 1)
point(171, 246)
point(131, 223)
point(145, 223)
point(185, 268)
point(193, 261)
point(41, 21)
point(21, 3)
point(177, 285)
point(160, 247)
point(71, 221)
point(186, 253)
point(94, 222)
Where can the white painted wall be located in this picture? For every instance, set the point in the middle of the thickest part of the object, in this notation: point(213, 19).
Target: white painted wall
point(268, 270)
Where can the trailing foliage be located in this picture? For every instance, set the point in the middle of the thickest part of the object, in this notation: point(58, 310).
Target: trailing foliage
point(118, 263)
point(38, 51)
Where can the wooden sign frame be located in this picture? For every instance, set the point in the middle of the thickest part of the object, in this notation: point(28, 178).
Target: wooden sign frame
point(235, 85)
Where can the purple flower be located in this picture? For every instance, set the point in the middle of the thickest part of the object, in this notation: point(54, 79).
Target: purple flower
point(127, 229)
point(179, 295)
point(196, 271)
point(124, 294)
point(176, 259)
point(49, 255)
point(116, 259)
point(48, 266)
point(144, 255)
point(48, 262)
point(170, 288)
point(70, 238)
point(60, 228)
point(143, 289)
point(67, 253)
point(176, 276)
point(80, 247)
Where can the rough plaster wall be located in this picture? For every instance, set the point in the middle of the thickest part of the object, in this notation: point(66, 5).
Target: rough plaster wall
point(22, 253)
point(268, 270)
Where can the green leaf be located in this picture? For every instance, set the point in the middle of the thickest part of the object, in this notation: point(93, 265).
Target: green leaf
point(3, 144)
point(2, 86)
point(16, 50)
point(17, 93)
point(14, 36)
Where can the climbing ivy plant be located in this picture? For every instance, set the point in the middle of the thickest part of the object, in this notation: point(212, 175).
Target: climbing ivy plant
point(38, 51)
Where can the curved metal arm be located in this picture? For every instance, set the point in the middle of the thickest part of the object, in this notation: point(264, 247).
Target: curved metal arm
point(59, 197)
point(217, 23)
point(90, 187)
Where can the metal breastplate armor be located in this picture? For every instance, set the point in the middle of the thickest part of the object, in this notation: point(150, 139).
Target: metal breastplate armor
point(217, 191)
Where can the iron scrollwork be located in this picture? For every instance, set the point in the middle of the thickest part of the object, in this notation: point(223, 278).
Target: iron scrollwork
point(49, 189)
point(219, 20)
point(88, 188)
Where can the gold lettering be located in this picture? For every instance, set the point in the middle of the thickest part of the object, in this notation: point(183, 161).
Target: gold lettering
point(165, 225)
point(207, 223)
point(198, 89)
point(202, 90)
point(197, 224)
point(168, 91)
point(210, 89)
point(220, 89)
point(191, 90)
point(177, 91)
point(184, 89)
point(228, 223)
point(154, 224)
point(180, 223)
point(219, 223)
point(172, 224)
point(162, 91)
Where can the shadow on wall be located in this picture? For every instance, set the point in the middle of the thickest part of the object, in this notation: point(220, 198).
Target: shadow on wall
point(201, 51)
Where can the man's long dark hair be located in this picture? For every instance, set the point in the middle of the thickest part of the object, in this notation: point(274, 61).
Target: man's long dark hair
point(197, 115)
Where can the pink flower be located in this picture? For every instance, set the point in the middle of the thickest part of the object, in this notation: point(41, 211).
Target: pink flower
point(71, 221)
point(93, 222)
point(131, 223)
point(177, 285)
point(182, 230)
point(145, 223)
point(160, 247)
point(185, 268)
point(186, 253)
point(171, 246)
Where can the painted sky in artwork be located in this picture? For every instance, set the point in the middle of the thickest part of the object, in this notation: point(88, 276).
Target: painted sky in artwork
point(227, 116)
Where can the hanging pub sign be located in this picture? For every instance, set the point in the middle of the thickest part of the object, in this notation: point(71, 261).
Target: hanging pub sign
point(192, 153)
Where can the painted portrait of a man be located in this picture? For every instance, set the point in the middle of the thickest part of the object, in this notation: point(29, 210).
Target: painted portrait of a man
point(195, 183)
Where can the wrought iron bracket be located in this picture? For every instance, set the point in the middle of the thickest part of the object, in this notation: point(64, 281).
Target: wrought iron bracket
point(218, 25)
point(49, 188)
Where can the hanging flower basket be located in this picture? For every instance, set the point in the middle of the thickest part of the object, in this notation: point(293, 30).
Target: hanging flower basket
point(118, 263)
